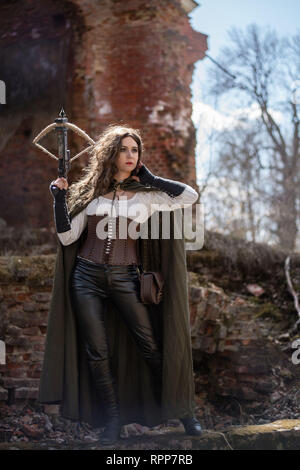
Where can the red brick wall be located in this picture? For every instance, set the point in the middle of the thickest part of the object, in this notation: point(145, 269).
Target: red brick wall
point(110, 61)
point(23, 324)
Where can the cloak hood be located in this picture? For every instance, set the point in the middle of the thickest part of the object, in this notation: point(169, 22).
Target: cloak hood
point(65, 378)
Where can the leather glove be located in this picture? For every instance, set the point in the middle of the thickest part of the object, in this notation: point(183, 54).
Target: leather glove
point(60, 210)
point(173, 188)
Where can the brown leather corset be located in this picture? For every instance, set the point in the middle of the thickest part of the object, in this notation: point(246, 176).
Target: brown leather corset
point(112, 249)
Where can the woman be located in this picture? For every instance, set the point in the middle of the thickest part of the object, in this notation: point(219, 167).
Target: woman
point(108, 357)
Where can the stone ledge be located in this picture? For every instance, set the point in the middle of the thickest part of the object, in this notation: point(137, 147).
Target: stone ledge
point(279, 435)
point(33, 271)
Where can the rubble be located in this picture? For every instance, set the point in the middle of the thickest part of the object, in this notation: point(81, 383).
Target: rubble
point(30, 422)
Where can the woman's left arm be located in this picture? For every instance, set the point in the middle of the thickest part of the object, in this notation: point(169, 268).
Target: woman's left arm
point(173, 194)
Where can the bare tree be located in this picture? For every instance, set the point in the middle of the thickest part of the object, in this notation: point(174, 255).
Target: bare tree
point(264, 70)
point(239, 158)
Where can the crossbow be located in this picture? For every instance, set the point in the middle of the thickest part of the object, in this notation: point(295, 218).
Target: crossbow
point(61, 126)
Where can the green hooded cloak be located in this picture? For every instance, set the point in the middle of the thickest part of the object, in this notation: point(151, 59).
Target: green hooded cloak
point(65, 378)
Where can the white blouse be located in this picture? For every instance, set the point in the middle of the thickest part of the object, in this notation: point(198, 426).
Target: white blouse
point(138, 207)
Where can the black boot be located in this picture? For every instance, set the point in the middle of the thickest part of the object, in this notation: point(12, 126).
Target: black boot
point(156, 367)
point(192, 426)
point(105, 386)
point(157, 383)
point(112, 431)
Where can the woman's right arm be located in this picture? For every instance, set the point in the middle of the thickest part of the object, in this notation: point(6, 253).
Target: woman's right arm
point(67, 231)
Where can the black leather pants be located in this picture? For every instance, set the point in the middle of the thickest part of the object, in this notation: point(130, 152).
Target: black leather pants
point(91, 286)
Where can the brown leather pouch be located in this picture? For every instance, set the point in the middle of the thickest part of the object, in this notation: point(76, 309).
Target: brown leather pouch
point(152, 284)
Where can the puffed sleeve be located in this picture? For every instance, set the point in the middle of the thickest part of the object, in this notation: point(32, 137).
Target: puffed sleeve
point(78, 224)
point(169, 203)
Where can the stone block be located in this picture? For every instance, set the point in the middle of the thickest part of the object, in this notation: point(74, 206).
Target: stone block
point(34, 371)
point(26, 392)
point(14, 382)
point(13, 331)
point(39, 347)
point(20, 341)
point(195, 294)
point(36, 356)
point(31, 330)
point(28, 319)
point(30, 306)
point(41, 297)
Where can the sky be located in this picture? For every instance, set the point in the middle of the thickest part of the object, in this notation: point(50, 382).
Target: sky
point(214, 18)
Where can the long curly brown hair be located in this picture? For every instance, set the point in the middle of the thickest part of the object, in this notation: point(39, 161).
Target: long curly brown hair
point(99, 172)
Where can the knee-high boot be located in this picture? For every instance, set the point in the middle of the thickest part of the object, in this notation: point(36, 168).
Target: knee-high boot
point(156, 369)
point(106, 388)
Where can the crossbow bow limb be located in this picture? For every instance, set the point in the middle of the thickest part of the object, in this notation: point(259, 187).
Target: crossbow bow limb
point(61, 126)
